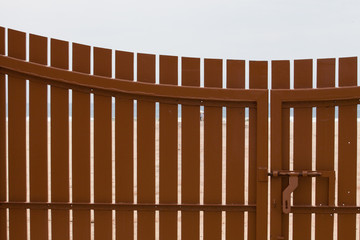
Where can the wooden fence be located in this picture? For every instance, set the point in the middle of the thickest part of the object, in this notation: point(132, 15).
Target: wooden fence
point(102, 156)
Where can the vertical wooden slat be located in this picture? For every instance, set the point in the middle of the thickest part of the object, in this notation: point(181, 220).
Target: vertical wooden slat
point(302, 150)
point(146, 149)
point(347, 151)
point(279, 159)
point(190, 152)
point(38, 141)
point(81, 145)
point(124, 143)
point(16, 138)
point(168, 150)
point(102, 147)
point(212, 151)
point(2, 41)
point(59, 143)
point(325, 117)
point(235, 152)
point(3, 230)
point(258, 80)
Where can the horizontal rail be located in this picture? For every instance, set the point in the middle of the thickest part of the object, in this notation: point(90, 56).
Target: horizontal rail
point(326, 103)
point(130, 206)
point(325, 209)
point(128, 89)
point(173, 207)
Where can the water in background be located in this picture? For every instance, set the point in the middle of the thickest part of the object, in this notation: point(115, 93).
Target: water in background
point(157, 111)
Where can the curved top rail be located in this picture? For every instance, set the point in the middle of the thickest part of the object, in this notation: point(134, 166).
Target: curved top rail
point(92, 83)
point(316, 94)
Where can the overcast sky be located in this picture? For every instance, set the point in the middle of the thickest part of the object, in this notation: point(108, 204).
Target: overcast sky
point(238, 29)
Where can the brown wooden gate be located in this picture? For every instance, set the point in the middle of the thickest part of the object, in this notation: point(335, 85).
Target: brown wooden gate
point(76, 168)
point(88, 152)
point(314, 156)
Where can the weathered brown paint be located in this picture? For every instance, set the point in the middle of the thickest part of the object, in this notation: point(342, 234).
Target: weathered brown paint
point(38, 141)
point(81, 144)
point(168, 149)
point(190, 151)
point(60, 142)
point(124, 138)
point(102, 148)
point(16, 138)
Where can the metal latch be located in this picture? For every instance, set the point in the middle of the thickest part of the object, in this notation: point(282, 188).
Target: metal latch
point(294, 181)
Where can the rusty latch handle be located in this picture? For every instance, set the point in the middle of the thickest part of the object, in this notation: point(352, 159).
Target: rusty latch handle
point(293, 184)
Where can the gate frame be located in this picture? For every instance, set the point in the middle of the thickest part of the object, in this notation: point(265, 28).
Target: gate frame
point(287, 98)
point(257, 98)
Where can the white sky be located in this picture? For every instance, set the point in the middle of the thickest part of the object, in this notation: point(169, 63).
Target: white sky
point(238, 29)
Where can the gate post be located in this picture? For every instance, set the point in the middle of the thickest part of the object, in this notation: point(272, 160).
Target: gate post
point(276, 219)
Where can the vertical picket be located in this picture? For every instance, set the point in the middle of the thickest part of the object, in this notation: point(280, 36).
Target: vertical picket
point(17, 138)
point(280, 160)
point(124, 147)
point(212, 152)
point(347, 152)
point(102, 147)
point(38, 141)
point(146, 149)
point(258, 80)
point(235, 153)
point(190, 152)
point(81, 145)
point(302, 150)
point(168, 150)
point(325, 122)
point(59, 142)
point(3, 229)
